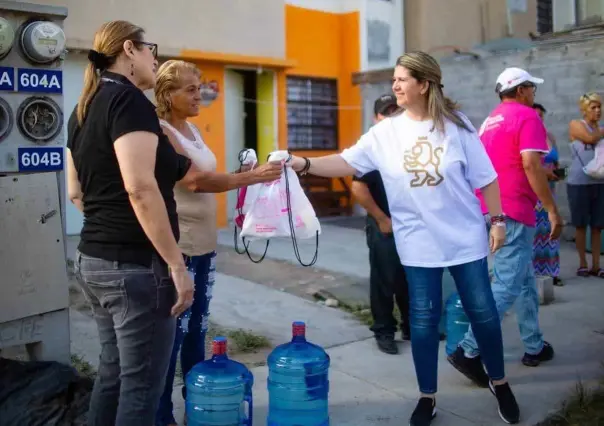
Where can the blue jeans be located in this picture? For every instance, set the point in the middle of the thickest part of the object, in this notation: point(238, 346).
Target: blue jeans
point(473, 286)
point(131, 305)
point(191, 334)
point(514, 282)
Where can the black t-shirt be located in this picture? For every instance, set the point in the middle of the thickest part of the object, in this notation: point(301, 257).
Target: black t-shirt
point(374, 183)
point(111, 230)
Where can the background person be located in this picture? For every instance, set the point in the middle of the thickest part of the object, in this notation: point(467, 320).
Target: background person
point(546, 251)
point(585, 193)
point(178, 98)
point(387, 281)
point(431, 160)
point(515, 140)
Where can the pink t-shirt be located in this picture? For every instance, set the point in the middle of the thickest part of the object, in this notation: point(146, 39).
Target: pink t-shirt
point(513, 128)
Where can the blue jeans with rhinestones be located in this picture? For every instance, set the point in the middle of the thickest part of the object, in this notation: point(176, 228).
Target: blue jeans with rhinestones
point(191, 330)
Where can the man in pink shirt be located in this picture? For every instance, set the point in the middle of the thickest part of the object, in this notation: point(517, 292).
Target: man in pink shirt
point(515, 140)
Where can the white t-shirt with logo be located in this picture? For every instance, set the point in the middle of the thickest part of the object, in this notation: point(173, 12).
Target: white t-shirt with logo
point(430, 180)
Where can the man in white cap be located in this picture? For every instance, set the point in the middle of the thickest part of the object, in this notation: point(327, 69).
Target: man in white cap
point(515, 139)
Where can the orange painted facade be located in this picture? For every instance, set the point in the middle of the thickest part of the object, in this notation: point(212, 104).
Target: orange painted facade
point(318, 44)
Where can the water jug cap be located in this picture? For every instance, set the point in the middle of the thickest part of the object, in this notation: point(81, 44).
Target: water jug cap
point(219, 346)
point(298, 328)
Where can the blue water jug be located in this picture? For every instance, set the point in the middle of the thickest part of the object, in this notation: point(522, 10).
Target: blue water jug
point(457, 322)
point(217, 390)
point(298, 382)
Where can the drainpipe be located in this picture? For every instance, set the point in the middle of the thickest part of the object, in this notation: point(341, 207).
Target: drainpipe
point(508, 15)
point(483, 29)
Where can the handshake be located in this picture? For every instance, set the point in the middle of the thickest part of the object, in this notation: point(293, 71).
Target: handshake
point(268, 172)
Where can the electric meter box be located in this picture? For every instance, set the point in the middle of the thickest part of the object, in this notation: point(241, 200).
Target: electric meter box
point(34, 289)
point(31, 87)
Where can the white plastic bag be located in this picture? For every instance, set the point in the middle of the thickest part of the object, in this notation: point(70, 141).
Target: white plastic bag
point(595, 168)
point(269, 213)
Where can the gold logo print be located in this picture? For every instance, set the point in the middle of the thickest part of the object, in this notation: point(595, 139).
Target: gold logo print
point(423, 161)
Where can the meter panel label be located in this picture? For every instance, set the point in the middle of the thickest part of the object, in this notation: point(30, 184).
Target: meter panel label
point(40, 159)
point(7, 78)
point(40, 80)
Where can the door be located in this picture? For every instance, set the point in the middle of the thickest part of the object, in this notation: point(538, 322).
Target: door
point(234, 128)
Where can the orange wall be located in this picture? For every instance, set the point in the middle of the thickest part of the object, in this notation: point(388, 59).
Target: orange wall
point(211, 122)
point(324, 45)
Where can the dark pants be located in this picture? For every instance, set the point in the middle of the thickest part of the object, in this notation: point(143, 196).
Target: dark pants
point(131, 305)
point(191, 328)
point(387, 282)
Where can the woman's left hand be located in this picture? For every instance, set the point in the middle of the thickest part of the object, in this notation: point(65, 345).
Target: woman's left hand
point(496, 237)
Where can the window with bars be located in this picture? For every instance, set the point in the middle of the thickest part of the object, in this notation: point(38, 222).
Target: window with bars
point(312, 114)
point(545, 16)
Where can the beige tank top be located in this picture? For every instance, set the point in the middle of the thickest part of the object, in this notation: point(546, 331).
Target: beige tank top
point(196, 211)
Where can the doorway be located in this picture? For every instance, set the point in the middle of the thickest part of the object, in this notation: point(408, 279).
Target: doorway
point(241, 126)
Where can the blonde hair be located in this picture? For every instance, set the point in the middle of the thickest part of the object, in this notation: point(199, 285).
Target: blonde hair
point(168, 79)
point(108, 41)
point(424, 67)
point(587, 99)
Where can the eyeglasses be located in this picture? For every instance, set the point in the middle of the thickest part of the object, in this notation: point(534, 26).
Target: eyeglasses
point(152, 47)
point(530, 86)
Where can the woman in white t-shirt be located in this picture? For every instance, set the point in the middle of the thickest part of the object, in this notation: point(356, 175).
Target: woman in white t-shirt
point(432, 161)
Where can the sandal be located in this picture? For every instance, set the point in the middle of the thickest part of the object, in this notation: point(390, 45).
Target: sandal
point(583, 272)
point(558, 282)
point(599, 273)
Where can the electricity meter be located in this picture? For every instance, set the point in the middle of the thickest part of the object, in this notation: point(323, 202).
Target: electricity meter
point(39, 119)
point(7, 37)
point(42, 42)
point(6, 119)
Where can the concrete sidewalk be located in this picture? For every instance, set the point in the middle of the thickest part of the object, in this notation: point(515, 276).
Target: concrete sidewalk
point(371, 388)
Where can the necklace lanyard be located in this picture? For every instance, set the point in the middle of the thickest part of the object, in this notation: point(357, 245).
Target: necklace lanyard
point(110, 80)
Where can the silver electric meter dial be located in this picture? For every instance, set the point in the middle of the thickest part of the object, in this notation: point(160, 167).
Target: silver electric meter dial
point(7, 37)
point(39, 119)
point(42, 42)
point(6, 119)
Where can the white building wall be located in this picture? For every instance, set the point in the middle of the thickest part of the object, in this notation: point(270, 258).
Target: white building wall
point(73, 76)
point(383, 33)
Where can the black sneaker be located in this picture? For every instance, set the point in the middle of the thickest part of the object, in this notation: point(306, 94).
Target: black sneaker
point(508, 407)
point(424, 412)
point(387, 344)
point(470, 367)
point(546, 354)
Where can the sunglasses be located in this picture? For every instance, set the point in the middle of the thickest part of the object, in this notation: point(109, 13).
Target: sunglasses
point(152, 47)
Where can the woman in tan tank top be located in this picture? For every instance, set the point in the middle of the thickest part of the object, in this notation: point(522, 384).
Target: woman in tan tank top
point(178, 97)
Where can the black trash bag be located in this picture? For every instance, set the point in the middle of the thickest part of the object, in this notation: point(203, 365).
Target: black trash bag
point(42, 394)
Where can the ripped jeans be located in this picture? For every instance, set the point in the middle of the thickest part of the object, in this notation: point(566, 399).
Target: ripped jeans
point(474, 288)
point(190, 333)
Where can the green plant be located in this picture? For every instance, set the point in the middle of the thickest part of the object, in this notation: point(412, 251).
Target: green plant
point(82, 366)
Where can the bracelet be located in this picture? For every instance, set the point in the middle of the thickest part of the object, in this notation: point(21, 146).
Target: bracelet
point(500, 218)
point(306, 167)
point(499, 224)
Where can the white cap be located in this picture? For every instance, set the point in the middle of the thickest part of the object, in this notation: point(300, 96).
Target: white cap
point(513, 77)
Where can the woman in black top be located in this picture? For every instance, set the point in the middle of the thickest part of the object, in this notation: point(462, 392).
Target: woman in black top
point(121, 173)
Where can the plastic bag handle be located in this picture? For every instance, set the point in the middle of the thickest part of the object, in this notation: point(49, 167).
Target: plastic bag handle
point(292, 227)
